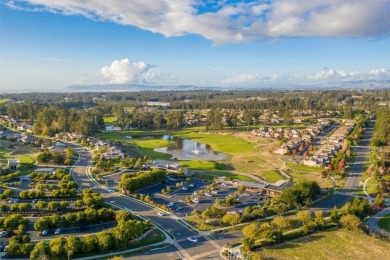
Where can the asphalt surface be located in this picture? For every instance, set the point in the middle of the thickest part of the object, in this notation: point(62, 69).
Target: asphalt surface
point(204, 248)
point(208, 246)
point(352, 184)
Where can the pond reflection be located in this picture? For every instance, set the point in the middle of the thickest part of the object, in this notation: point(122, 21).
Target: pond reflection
point(184, 149)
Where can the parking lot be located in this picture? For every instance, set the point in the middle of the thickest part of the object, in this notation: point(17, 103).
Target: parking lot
point(177, 198)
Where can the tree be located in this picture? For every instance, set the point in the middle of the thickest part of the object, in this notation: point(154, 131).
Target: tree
point(304, 216)
point(319, 219)
point(123, 215)
point(88, 243)
point(273, 236)
point(248, 243)
point(229, 201)
point(39, 251)
point(42, 223)
point(350, 222)
point(41, 204)
point(69, 152)
point(248, 118)
point(252, 230)
point(12, 222)
point(57, 246)
point(232, 219)
point(288, 119)
point(72, 245)
point(104, 241)
point(280, 222)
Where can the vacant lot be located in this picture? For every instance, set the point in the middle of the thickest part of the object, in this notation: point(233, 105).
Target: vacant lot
point(304, 168)
point(335, 244)
point(24, 153)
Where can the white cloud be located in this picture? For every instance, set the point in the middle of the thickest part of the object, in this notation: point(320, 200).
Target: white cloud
point(125, 71)
point(323, 76)
point(225, 22)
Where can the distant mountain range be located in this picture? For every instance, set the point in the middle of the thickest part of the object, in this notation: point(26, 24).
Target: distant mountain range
point(358, 84)
point(132, 87)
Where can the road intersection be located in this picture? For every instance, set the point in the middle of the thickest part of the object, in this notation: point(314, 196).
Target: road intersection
point(208, 246)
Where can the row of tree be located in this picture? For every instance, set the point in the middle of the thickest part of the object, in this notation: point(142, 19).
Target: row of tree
point(87, 217)
point(382, 128)
point(131, 183)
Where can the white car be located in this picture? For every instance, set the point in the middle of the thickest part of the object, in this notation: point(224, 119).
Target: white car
point(214, 192)
point(58, 231)
point(45, 232)
point(170, 204)
point(184, 188)
point(3, 233)
point(191, 185)
point(162, 214)
point(208, 194)
point(193, 239)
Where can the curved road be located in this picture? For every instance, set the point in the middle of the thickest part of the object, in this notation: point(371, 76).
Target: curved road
point(187, 250)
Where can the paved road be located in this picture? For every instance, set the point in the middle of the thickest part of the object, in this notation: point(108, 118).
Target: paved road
point(352, 184)
point(188, 250)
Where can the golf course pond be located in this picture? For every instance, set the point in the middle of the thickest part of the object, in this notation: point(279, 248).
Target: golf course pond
point(183, 149)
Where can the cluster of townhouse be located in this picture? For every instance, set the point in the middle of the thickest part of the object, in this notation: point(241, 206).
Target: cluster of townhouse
point(271, 132)
point(304, 139)
point(329, 146)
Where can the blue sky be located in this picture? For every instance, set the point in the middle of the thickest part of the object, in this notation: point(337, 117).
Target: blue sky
point(51, 44)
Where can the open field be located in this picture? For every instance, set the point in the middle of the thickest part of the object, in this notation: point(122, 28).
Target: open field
point(385, 222)
point(4, 101)
point(333, 244)
point(247, 153)
point(109, 119)
point(303, 168)
point(311, 176)
point(272, 176)
point(24, 153)
point(216, 173)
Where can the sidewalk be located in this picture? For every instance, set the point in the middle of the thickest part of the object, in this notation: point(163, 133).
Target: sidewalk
point(372, 223)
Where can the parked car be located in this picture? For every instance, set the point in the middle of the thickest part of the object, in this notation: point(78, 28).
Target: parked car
point(191, 185)
point(3, 233)
point(184, 188)
point(45, 232)
point(170, 204)
point(58, 231)
point(193, 239)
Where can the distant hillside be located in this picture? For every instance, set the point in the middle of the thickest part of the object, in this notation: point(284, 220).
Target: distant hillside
point(130, 87)
point(358, 84)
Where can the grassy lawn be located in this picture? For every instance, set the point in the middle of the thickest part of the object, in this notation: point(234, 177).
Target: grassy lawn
point(273, 176)
point(246, 153)
point(303, 168)
point(4, 101)
point(311, 176)
point(24, 153)
point(109, 119)
point(334, 244)
point(385, 222)
point(213, 174)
